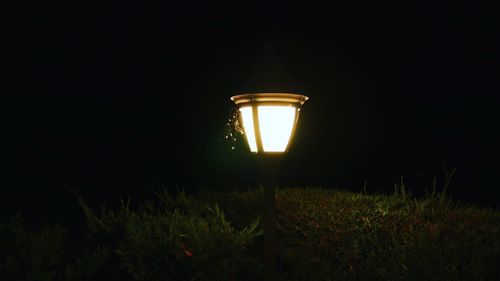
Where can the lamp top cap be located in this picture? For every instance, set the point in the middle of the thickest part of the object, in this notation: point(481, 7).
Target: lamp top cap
point(282, 98)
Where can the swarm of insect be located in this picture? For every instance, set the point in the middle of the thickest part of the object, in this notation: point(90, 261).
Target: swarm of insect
point(234, 127)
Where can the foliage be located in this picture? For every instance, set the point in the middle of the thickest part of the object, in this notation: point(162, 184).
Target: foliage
point(170, 241)
point(334, 235)
point(323, 234)
point(26, 255)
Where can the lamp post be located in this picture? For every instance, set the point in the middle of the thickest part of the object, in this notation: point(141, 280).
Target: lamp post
point(269, 123)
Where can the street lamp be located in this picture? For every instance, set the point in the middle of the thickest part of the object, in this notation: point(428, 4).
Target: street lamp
point(269, 122)
point(269, 119)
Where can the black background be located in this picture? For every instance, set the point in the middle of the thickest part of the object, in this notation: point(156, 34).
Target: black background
point(114, 99)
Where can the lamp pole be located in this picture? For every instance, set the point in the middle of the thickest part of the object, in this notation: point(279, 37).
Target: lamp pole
point(269, 165)
point(269, 122)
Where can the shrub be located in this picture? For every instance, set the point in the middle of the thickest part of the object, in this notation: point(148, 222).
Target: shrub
point(331, 235)
point(168, 242)
point(322, 235)
point(26, 255)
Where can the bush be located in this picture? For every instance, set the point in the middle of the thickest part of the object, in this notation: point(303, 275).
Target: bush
point(331, 235)
point(322, 235)
point(28, 255)
point(167, 242)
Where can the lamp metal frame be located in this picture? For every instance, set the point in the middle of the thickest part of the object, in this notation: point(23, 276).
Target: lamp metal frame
point(272, 99)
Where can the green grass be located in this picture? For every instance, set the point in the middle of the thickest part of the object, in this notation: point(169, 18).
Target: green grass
point(335, 235)
point(323, 234)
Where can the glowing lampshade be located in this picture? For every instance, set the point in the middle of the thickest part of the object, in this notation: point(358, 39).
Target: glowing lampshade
point(269, 119)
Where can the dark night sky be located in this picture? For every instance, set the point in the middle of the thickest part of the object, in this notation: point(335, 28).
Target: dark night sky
point(113, 99)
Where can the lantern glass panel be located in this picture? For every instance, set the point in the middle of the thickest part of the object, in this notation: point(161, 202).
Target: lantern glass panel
point(276, 126)
point(247, 116)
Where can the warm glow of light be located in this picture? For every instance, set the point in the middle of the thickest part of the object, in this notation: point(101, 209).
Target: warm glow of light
point(268, 119)
point(246, 114)
point(276, 126)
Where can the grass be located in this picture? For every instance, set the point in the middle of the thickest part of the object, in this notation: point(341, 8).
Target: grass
point(324, 234)
point(335, 235)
